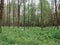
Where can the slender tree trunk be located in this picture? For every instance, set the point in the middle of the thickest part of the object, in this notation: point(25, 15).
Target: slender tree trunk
point(3, 17)
point(59, 13)
point(32, 15)
point(9, 12)
point(54, 19)
point(18, 13)
point(13, 12)
point(31, 12)
point(1, 13)
point(28, 13)
point(42, 20)
point(24, 13)
point(56, 14)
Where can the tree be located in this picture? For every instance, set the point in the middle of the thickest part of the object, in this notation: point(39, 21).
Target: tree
point(24, 3)
point(42, 20)
point(28, 12)
point(18, 13)
point(1, 13)
point(44, 7)
point(33, 11)
point(8, 12)
point(56, 14)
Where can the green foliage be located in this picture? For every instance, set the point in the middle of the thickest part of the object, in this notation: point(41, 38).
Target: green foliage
point(57, 35)
point(45, 9)
point(31, 36)
point(33, 18)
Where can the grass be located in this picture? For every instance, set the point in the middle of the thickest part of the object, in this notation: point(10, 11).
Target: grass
point(31, 36)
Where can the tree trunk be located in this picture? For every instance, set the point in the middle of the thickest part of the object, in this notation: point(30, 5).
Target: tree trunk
point(42, 20)
point(28, 13)
point(18, 13)
point(24, 13)
point(56, 14)
point(13, 12)
point(1, 13)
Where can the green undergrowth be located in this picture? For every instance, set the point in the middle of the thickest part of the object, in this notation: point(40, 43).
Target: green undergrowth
point(31, 36)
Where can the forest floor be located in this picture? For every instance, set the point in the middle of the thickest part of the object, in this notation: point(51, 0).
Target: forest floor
point(31, 36)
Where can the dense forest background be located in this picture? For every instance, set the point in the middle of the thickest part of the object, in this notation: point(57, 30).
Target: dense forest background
point(30, 13)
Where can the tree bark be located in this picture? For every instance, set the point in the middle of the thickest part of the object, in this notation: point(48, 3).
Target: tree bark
point(42, 20)
point(28, 13)
point(18, 13)
point(13, 12)
point(56, 14)
point(24, 13)
point(1, 13)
